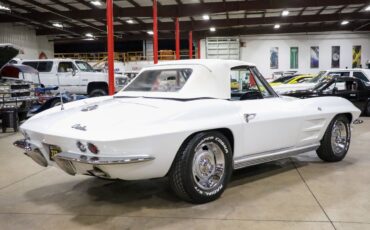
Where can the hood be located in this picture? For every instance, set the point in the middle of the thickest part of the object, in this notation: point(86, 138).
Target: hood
point(280, 89)
point(113, 117)
point(7, 53)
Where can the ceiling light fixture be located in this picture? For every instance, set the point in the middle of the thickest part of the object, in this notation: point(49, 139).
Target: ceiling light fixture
point(212, 29)
point(5, 8)
point(367, 8)
point(58, 25)
point(96, 3)
point(277, 26)
point(150, 32)
point(206, 17)
point(285, 13)
point(130, 21)
point(89, 35)
point(345, 22)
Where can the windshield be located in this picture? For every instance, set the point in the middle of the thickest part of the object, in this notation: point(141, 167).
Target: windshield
point(322, 84)
point(282, 79)
point(168, 80)
point(84, 66)
point(317, 78)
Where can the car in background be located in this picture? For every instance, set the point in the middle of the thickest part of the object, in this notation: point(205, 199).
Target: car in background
point(350, 88)
point(194, 130)
point(234, 84)
point(279, 74)
point(300, 79)
point(47, 99)
point(130, 74)
point(74, 76)
point(17, 93)
point(282, 79)
point(363, 74)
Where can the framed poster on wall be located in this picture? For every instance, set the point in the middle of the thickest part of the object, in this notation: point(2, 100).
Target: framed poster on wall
point(356, 57)
point(294, 57)
point(335, 56)
point(274, 57)
point(315, 54)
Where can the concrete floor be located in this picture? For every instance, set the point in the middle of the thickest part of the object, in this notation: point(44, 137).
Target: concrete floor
point(297, 193)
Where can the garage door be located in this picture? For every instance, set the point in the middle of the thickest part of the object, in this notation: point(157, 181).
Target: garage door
point(222, 48)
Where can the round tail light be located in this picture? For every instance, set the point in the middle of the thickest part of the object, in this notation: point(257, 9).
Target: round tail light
point(92, 148)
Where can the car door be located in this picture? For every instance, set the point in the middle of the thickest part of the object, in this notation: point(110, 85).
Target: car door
point(66, 76)
point(355, 92)
point(271, 123)
point(364, 95)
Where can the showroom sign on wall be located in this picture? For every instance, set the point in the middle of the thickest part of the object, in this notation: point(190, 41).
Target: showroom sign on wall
point(274, 57)
point(356, 57)
point(335, 56)
point(294, 57)
point(315, 54)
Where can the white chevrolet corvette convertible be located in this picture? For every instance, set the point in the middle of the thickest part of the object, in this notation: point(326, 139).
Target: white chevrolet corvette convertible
point(181, 120)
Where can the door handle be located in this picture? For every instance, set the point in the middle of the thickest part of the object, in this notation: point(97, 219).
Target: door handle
point(249, 116)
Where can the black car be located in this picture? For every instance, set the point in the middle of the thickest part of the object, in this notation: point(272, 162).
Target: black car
point(353, 89)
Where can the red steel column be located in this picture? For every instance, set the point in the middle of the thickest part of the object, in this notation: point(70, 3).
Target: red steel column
point(190, 45)
point(110, 39)
point(155, 33)
point(198, 49)
point(177, 37)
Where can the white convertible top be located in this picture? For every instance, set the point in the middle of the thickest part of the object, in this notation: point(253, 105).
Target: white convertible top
point(210, 79)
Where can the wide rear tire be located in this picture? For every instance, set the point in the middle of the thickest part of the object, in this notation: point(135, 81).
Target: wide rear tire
point(335, 143)
point(202, 168)
point(98, 92)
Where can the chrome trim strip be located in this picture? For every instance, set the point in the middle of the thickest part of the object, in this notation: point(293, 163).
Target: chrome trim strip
point(102, 160)
point(259, 158)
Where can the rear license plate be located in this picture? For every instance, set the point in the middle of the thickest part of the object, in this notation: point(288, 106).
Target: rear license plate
point(54, 150)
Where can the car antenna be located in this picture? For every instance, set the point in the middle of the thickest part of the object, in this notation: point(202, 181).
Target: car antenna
point(60, 94)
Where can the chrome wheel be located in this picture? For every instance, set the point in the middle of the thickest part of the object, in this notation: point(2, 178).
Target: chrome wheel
point(208, 165)
point(339, 138)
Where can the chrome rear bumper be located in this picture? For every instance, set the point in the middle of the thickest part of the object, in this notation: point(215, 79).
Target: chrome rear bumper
point(32, 151)
point(66, 160)
point(102, 160)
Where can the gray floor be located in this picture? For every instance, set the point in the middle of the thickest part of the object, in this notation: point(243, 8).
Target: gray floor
point(297, 193)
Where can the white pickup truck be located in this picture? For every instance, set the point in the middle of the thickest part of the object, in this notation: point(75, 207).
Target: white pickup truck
point(74, 76)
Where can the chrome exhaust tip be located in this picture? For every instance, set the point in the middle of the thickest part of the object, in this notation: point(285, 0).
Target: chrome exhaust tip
point(32, 151)
point(98, 173)
point(66, 166)
point(37, 156)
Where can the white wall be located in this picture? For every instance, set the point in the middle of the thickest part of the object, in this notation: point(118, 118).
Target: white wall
point(26, 39)
point(257, 50)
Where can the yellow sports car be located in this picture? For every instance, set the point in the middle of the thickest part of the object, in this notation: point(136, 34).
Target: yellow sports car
point(234, 84)
point(294, 80)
